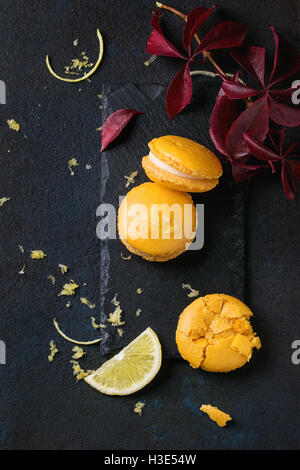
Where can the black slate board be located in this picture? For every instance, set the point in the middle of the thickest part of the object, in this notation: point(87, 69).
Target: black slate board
point(217, 267)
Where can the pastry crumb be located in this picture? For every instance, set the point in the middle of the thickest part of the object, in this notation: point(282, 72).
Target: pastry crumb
point(53, 351)
point(139, 408)
point(216, 415)
point(193, 292)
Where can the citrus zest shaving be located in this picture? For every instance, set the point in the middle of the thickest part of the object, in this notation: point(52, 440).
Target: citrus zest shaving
point(63, 268)
point(95, 325)
point(125, 258)
point(12, 124)
point(131, 178)
point(193, 292)
point(120, 332)
point(72, 162)
point(87, 302)
point(139, 291)
point(78, 352)
point(69, 288)
point(22, 271)
point(52, 279)
point(79, 372)
point(37, 254)
point(115, 317)
point(139, 408)
point(3, 200)
point(84, 77)
point(53, 351)
point(138, 312)
point(86, 343)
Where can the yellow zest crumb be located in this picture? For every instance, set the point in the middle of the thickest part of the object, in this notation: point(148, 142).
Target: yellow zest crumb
point(120, 332)
point(139, 291)
point(78, 352)
point(67, 338)
point(99, 96)
point(193, 292)
point(22, 271)
point(69, 288)
point(87, 302)
point(150, 61)
point(139, 408)
point(68, 304)
point(98, 129)
point(79, 372)
point(130, 178)
point(21, 248)
point(96, 325)
point(37, 254)
point(75, 42)
point(115, 317)
point(3, 200)
point(12, 124)
point(114, 301)
point(63, 268)
point(138, 312)
point(53, 351)
point(52, 279)
point(125, 258)
point(71, 163)
point(216, 415)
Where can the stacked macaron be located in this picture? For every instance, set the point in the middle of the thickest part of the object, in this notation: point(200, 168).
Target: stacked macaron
point(157, 221)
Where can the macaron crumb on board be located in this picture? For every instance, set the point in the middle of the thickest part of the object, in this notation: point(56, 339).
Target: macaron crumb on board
point(155, 289)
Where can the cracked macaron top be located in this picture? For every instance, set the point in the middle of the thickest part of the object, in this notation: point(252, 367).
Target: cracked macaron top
point(182, 164)
point(214, 333)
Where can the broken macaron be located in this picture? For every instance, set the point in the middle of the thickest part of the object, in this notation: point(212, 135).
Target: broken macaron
point(214, 333)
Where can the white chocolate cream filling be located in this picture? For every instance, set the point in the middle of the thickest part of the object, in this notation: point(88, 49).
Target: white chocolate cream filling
point(163, 166)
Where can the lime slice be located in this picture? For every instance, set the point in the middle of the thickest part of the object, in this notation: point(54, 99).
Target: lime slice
point(130, 370)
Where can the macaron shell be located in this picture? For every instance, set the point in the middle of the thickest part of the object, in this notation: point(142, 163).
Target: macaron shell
point(154, 249)
point(187, 156)
point(176, 182)
point(214, 333)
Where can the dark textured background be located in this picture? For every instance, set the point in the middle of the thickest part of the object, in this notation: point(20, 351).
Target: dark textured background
point(41, 405)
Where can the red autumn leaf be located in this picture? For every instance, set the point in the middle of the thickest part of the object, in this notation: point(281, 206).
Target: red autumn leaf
point(180, 92)
point(295, 166)
point(288, 182)
point(254, 121)
point(260, 151)
point(221, 36)
point(224, 113)
point(252, 59)
point(114, 125)
point(283, 114)
point(195, 20)
point(287, 59)
point(158, 44)
point(238, 91)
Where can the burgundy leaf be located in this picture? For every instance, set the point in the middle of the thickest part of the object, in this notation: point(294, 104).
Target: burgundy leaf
point(254, 121)
point(290, 150)
point(237, 91)
point(277, 136)
point(114, 125)
point(288, 182)
point(221, 36)
point(283, 95)
point(295, 166)
point(158, 44)
point(179, 93)
point(259, 150)
point(287, 59)
point(284, 115)
point(195, 20)
point(224, 113)
point(252, 59)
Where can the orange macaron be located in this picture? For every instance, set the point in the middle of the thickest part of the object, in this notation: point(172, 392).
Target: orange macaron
point(182, 164)
point(214, 333)
point(157, 223)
